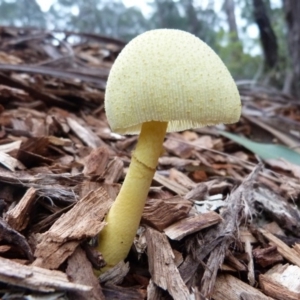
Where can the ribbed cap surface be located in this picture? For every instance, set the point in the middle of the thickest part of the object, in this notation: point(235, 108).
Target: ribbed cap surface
point(171, 76)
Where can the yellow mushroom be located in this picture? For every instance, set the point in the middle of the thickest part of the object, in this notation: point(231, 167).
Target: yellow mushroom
point(164, 80)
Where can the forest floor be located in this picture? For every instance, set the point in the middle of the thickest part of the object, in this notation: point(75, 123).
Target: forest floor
point(221, 220)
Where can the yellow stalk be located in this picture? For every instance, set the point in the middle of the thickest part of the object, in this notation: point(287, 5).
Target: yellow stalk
point(125, 214)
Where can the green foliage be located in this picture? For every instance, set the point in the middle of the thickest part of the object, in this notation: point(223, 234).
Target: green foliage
point(240, 64)
point(21, 13)
point(265, 151)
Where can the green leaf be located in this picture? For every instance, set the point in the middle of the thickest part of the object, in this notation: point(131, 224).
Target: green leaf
point(265, 151)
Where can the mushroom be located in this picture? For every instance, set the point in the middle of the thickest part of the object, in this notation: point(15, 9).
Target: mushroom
point(164, 80)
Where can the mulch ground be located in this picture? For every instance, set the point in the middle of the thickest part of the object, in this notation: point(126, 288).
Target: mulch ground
point(219, 223)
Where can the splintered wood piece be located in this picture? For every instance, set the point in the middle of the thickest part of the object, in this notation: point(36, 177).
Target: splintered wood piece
point(281, 282)
point(177, 145)
point(288, 253)
point(114, 171)
point(154, 292)
point(47, 184)
point(10, 162)
point(84, 220)
point(234, 263)
point(267, 256)
point(79, 270)
point(192, 224)
point(86, 135)
point(160, 213)
point(18, 217)
point(123, 293)
point(96, 162)
point(251, 275)
point(181, 178)
point(163, 270)
point(170, 184)
point(37, 279)
point(13, 237)
point(116, 274)
point(215, 242)
point(285, 214)
point(296, 247)
point(227, 287)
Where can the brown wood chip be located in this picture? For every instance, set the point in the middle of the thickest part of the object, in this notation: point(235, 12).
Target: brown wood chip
point(82, 221)
point(182, 228)
point(18, 217)
point(281, 282)
point(228, 287)
point(160, 213)
point(163, 270)
point(35, 278)
point(80, 271)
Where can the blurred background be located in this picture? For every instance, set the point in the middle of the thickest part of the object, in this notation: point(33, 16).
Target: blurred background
point(259, 40)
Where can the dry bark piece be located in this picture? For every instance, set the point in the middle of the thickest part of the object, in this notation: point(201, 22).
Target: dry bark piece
point(251, 274)
point(163, 270)
point(13, 237)
point(82, 221)
point(281, 282)
point(85, 134)
point(154, 292)
point(228, 287)
point(47, 184)
point(288, 253)
point(122, 293)
point(114, 171)
point(234, 262)
point(79, 270)
point(216, 241)
point(96, 162)
point(160, 213)
point(116, 274)
point(18, 217)
point(33, 152)
point(177, 145)
point(11, 163)
point(37, 279)
point(187, 226)
point(284, 213)
point(267, 256)
point(170, 184)
point(181, 178)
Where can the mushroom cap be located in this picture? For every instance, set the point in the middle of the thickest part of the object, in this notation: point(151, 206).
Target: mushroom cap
point(169, 75)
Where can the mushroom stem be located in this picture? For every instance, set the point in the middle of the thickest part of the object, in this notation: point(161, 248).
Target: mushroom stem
point(125, 214)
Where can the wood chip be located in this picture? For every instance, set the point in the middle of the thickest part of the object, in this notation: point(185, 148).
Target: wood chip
point(267, 256)
point(288, 253)
point(160, 213)
point(79, 270)
point(96, 162)
point(10, 163)
point(86, 135)
point(162, 267)
point(18, 217)
point(177, 145)
point(281, 282)
point(123, 293)
point(37, 279)
point(170, 184)
point(187, 226)
point(82, 221)
point(228, 287)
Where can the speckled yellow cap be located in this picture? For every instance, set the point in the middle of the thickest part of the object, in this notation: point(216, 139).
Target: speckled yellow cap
point(171, 76)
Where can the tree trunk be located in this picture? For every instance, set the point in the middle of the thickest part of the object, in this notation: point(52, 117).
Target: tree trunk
point(292, 14)
point(267, 35)
point(228, 7)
